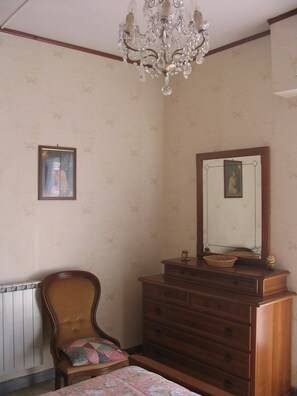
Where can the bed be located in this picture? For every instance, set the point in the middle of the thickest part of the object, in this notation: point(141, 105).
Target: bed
point(130, 380)
point(143, 377)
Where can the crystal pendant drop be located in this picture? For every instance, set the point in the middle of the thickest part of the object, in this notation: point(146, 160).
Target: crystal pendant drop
point(166, 90)
point(142, 76)
point(200, 58)
point(160, 62)
point(187, 70)
point(141, 71)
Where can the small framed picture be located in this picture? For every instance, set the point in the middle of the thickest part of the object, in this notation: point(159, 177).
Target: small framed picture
point(232, 179)
point(56, 172)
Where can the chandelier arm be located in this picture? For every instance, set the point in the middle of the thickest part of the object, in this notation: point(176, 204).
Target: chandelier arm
point(178, 51)
point(137, 61)
point(132, 60)
point(129, 46)
point(198, 47)
point(153, 53)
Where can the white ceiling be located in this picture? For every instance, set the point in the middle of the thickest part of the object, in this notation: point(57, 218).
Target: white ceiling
point(94, 23)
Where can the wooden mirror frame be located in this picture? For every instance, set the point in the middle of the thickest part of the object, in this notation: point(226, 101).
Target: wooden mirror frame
point(264, 153)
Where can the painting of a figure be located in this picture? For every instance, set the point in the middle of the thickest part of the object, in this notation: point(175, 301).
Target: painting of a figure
point(56, 172)
point(232, 179)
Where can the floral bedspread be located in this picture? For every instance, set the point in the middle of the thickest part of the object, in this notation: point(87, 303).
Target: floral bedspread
point(128, 381)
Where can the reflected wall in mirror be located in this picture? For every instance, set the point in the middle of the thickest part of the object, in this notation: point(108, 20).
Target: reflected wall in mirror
point(233, 203)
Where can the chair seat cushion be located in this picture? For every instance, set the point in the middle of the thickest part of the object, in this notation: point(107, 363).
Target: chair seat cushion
point(88, 351)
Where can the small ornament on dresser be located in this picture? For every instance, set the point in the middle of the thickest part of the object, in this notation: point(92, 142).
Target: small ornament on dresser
point(270, 262)
point(185, 255)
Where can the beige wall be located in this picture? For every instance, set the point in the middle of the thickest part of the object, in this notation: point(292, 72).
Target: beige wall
point(50, 95)
point(227, 103)
point(284, 56)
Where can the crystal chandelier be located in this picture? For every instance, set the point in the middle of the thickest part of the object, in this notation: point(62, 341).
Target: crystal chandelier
point(170, 42)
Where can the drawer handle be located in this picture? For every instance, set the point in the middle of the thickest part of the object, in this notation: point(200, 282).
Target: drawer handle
point(236, 282)
point(182, 272)
point(158, 311)
point(228, 331)
point(219, 306)
point(228, 357)
point(227, 384)
point(158, 332)
point(166, 293)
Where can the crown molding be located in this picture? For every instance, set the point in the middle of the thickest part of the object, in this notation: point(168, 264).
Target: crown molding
point(282, 16)
point(59, 43)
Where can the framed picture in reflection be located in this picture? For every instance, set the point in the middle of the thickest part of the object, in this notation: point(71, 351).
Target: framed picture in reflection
point(56, 173)
point(232, 179)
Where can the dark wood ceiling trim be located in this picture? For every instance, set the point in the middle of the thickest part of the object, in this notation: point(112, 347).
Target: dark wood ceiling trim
point(282, 16)
point(115, 57)
point(239, 42)
point(60, 43)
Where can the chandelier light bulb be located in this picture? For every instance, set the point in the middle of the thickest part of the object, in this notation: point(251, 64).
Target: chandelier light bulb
point(169, 44)
point(194, 5)
point(165, 9)
point(132, 7)
point(197, 18)
point(129, 23)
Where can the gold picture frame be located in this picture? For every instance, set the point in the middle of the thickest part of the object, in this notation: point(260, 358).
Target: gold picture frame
point(56, 173)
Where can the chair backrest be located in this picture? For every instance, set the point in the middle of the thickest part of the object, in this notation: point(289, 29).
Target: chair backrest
point(71, 299)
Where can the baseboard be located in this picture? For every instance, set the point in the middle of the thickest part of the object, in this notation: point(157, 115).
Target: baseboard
point(137, 349)
point(33, 379)
point(28, 380)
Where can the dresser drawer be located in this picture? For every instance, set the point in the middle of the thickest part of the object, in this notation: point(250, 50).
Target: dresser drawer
point(166, 294)
point(206, 351)
point(234, 334)
point(204, 372)
point(221, 308)
point(224, 281)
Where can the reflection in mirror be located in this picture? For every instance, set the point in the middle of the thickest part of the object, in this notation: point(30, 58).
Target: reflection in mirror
point(233, 203)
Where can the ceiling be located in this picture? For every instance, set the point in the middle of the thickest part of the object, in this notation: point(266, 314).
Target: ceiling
point(93, 24)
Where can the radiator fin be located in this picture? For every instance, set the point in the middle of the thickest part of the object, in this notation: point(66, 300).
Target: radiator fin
point(20, 327)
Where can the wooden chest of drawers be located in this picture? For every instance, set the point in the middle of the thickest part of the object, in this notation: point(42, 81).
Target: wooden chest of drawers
point(228, 327)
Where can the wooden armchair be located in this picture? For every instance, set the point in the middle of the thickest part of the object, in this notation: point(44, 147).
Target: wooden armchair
point(71, 299)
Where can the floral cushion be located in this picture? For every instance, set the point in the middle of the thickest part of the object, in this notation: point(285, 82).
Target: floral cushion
point(87, 351)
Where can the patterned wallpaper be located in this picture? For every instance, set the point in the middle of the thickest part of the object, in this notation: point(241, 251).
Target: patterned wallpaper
point(227, 103)
point(136, 164)
point(50, 95)
point(284, 56)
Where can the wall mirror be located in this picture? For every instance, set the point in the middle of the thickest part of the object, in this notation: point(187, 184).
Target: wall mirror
point(233, 203)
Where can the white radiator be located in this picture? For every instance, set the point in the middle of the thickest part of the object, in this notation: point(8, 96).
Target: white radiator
point(20, 326)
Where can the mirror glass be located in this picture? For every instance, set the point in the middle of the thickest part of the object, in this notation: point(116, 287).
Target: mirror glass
point(233, 203)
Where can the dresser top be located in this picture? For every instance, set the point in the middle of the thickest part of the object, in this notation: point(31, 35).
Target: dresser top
point(200, 265)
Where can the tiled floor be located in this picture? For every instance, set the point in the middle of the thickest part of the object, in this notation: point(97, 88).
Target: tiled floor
point(34, 390)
